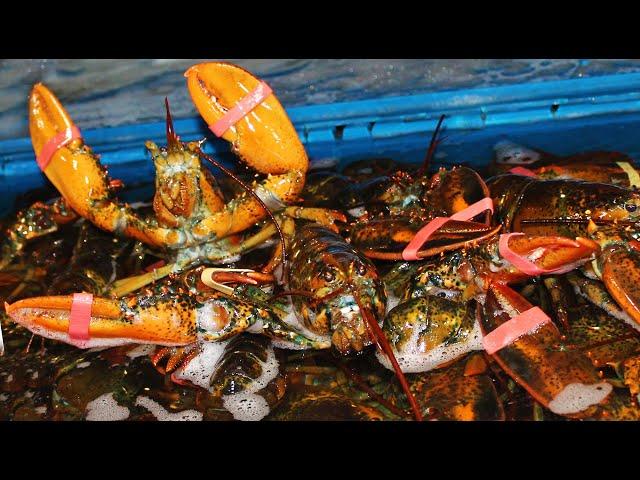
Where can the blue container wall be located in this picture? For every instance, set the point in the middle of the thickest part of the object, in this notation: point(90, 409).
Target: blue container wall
point(561, 117)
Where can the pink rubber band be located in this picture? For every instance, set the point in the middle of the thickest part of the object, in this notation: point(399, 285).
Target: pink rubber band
point(522, 171)
point(518, 261)
point(510, 331)
point(55, 143)
point(244, 106)
point(80, 316)
point(411, 250)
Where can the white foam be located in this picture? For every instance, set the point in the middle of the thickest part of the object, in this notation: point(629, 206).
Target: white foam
point(415, 361)
point(199, 370)
point(576, 397)
point(9, 378)
point(392, 302)
point(163, 415)
point(105, 408)
point(1, 341)
point(141, 351)
point(83, 365)
point(247, 405)
point(206, 319)
point(357, 212)
point(42, 409)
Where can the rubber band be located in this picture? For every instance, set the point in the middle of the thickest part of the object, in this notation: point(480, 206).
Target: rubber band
point(632, 173)
point(80, 316)
point(244, 106)
point(522, 171)
point(512, 330)
point(517, 260)
point(411, 250)
point(54, 144)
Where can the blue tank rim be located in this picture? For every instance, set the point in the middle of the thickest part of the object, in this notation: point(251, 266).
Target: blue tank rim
point(474, 108)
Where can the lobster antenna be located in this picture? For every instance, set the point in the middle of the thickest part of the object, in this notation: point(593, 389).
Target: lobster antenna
point(383, 345)
point(172, 138)
point(432, 148)
point(250, 191)
point(597, 221)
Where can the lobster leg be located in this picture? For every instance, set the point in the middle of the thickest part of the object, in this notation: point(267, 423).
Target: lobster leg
point(36, 221)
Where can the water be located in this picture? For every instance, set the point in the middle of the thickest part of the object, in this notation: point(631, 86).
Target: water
point(112, 92)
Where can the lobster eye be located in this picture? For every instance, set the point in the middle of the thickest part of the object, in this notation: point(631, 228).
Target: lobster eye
point(630, 207)
point(360, 268)
point(328, 276)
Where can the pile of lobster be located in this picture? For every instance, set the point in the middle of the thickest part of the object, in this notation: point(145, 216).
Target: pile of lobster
point(379, 292)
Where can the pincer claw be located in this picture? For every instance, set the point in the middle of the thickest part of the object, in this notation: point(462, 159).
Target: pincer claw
point(216, 277)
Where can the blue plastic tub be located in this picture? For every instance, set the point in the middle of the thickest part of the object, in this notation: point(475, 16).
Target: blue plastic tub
point(563, 117)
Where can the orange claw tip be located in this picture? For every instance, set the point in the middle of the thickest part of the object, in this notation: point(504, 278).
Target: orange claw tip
point(193, 70)
point(47, 116)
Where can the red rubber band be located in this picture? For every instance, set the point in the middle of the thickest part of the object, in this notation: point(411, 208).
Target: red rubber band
point(518, 261)
point(55, 143)
point(411, 250)
point(244, 106)
point(80, 316)
point(512, 330)
point(522, 171)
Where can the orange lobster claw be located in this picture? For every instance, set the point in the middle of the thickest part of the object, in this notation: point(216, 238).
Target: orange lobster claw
point(265, 138)
point(551, 252)
point(110, 325)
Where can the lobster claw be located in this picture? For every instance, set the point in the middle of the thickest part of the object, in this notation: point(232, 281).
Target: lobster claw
point(562, 380)
point(386, 238)
point(545, 254)
point(110, 325)
point(621, 275)
point(265, 139)
point(73, 169)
